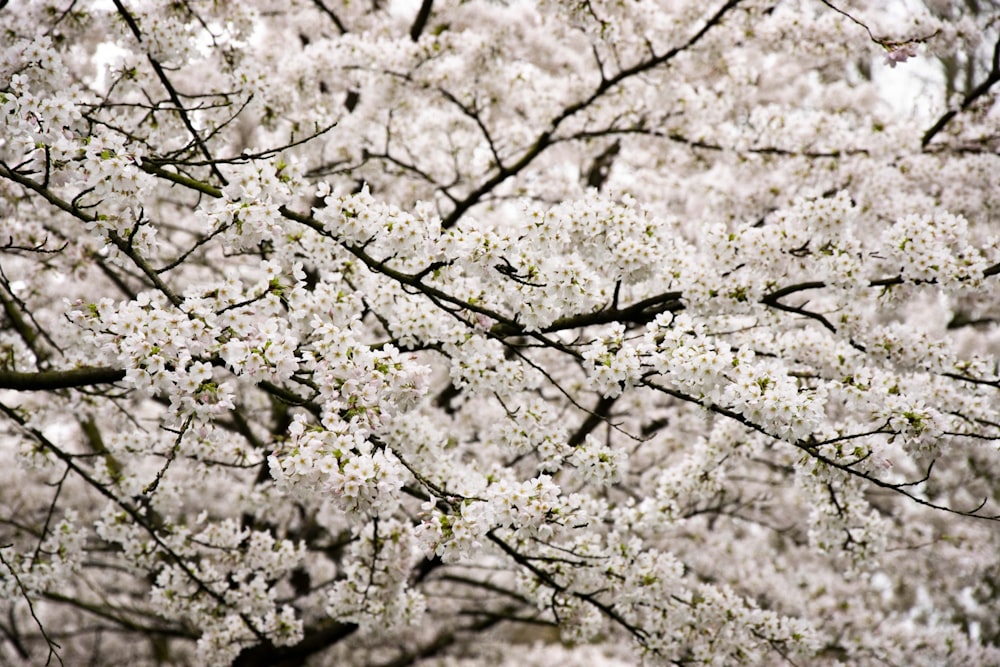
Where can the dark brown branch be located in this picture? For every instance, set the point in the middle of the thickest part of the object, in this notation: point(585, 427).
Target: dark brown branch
point(641, 312)
point(420, 22)
point(991, 79)
point(333, 17)
point(443, 641)
point(597, 174)
point(67, 379)
point(594, 419)
point(10, 307)
point(772, 300)
point(315, 640)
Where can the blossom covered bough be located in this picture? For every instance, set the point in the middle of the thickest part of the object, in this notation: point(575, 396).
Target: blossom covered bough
point(480, 333)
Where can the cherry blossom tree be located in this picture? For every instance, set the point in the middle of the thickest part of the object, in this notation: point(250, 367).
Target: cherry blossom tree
point(492, 332)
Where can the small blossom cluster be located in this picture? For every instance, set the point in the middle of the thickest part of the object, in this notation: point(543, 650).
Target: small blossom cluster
point(40, 103)
point(906, 348)
point(337, 460)
point(480, 364)
point(598, 463)
point(557, 260)
point(326, 302)
point(918, 426)
point(374, 591)
point(809, 240)
point(900, 53)
point(761, 390)
point(115, 186)
point(841, 521)
point(260, 348)
point(358, 383)
point(707, 620)
point(384, 231)
point(169, 37)
point(159, 347)
point(678, 489)
point(648, 589)
point(766, 395)
point(681, 351)
point(613, 364)
point(600, 227)
point(248, 213)
point(534, 427)
point(528, 507)
point(458, 536)
point(934, 248)
point(412, 321)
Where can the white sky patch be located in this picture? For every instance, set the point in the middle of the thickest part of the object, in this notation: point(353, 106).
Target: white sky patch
point(107, 56)
point(914, 89)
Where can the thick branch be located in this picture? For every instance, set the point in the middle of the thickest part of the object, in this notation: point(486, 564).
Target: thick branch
point(316, 639)
point(597, 416)
point(67, 379)
point(420, 22)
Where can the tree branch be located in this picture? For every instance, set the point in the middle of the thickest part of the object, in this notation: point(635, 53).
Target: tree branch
point(992, 78)
point(546, 138)
point(73, 378)
point(420, 22)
